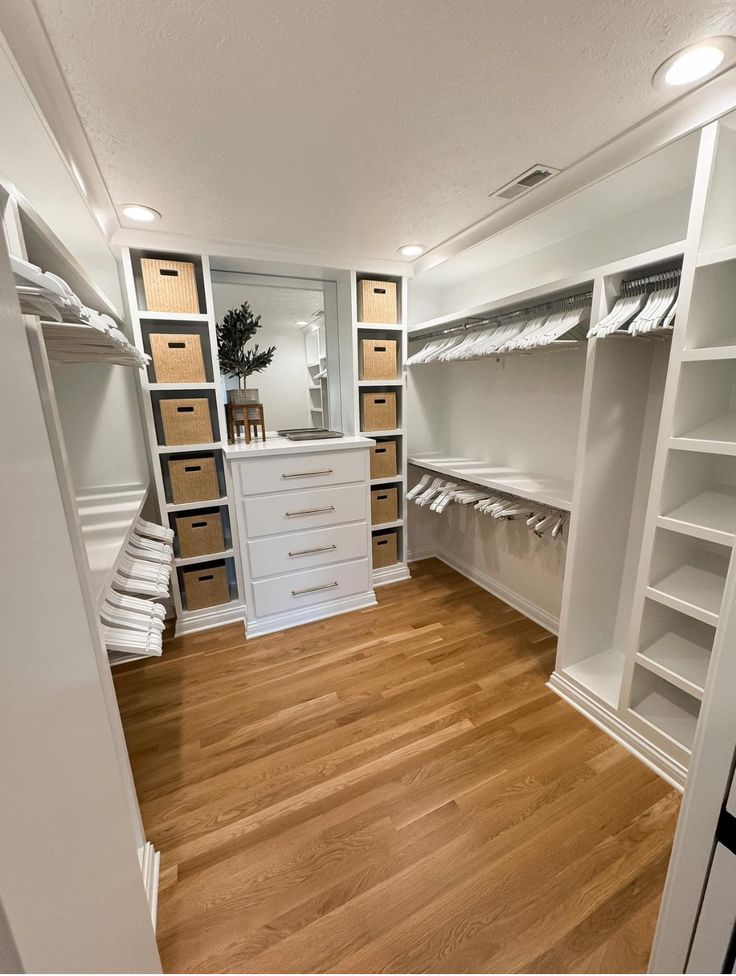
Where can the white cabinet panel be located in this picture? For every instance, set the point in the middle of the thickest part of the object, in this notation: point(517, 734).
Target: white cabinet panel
point(304, 550)
point(289, 472)
point(299, 590)
point(717, 915)
point(295, 511)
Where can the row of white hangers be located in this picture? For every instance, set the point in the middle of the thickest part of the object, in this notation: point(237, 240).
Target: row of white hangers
point(47, 295)
point(522, 332)
point(642, 309)
point(437, 494)
point(130, 623)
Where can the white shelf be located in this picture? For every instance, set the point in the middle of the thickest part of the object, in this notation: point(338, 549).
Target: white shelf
point(166, 387)
point(716, 256)
point(673, 714)
point(193, 506)
point(379, 327)
point(678, 660)
point(392, 480)
point(694, 591)
point(382, 433)
point(535, 487)
point(206, 558)
point(107, 520)
point(706, 353)
point(718, 434)
point(374, 383)
point(182, 448)
point(711, 516)
point(190, 317)
point(600, 674)
point(388, 525)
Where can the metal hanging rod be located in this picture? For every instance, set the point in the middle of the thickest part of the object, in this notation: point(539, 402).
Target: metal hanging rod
point(659, 279)
point(495, 321)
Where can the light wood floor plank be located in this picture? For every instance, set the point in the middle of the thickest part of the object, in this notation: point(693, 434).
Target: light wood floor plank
point(393, 790)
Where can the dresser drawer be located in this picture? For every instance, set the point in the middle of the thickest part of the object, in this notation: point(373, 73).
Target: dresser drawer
point(294, 511)
point(298, 590)
point(284, 473)
point(305, 550)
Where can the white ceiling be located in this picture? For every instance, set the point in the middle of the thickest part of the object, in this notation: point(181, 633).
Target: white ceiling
point(280, 308)
point(355, 127)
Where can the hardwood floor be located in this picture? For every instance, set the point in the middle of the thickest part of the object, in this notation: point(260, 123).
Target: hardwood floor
point(393, 790)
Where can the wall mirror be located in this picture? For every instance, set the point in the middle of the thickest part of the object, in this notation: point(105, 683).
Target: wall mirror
point(300, 387)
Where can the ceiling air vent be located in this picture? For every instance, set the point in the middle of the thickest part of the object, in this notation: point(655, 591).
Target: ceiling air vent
point(527, 181)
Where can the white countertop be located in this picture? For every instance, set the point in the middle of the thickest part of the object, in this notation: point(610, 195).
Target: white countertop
point(280, 445)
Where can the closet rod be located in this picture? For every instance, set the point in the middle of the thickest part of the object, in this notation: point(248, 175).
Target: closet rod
point(662, 279)
point(496, 321)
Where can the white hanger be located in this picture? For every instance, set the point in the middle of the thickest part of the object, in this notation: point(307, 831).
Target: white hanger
point(419, 487)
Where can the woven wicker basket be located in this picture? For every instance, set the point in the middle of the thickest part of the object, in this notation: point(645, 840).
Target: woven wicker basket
point(193, 480)
point(199, 535)
point(383, 460)
point(378, 411)
point(186, 421)
point(384, 505)
point(205, 587)
point(169, 286)
point(377, 302)
point(385, 549)
point(378, 358)
point(177, 358)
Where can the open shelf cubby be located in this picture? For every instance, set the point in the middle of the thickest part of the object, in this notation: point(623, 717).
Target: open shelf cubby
point(140, 292)
point(189, 394)
point(174, 327)
point(688, 575)
point(699, 496)
point(676, 647)
point(705, 411)
point(666, 708)
point(711, 325)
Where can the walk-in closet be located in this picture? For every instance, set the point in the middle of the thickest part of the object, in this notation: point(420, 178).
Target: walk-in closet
point(368, 461)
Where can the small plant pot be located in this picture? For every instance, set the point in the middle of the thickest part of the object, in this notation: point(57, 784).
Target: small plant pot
point(242, 396)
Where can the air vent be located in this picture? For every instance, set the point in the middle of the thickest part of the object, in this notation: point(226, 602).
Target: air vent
point(526, 181)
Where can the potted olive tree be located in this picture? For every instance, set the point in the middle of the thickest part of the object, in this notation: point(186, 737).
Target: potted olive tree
point(238, 327)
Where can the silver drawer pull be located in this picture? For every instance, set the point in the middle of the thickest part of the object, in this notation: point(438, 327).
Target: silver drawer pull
point(308, 552)
point(307, 474)
point(311, 511)
point(314, 589)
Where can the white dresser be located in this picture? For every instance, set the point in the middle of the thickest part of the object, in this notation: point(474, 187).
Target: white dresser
point(303, 513)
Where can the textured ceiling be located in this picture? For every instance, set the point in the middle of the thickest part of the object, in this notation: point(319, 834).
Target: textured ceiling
point(355, 126)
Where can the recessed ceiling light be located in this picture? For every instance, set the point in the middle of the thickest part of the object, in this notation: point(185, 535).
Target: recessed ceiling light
point(694, 63)
point(412, 250)
point(136, 211)
point(302, 322)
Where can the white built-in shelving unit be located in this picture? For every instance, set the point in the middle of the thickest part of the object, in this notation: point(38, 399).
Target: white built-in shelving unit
point(394, 331)
point(201, 324)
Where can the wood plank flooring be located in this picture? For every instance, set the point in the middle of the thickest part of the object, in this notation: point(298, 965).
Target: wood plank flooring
point(393, 790)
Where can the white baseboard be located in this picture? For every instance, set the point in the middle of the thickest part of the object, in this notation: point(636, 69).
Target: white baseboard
point(423, 552)
point(515, 600)
point(212, 617)
point(608, 721)
point(307, 615)
point(391, 574)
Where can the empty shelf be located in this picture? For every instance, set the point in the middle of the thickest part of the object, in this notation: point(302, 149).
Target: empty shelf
point(711, 515)
point(708, 352)
point(679, 661)
point(534, 487)
point(696, 592)
point(717, 434)
point(673, 713)
point(600, 674)
point(107, 520)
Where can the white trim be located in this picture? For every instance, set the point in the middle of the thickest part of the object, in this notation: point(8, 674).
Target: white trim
point(391, 574)
point(212, 617)
point(294, 618)
point(150, 860)
point(420, 553)
point(606, 720)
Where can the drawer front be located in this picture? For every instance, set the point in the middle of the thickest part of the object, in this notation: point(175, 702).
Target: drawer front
point(285, 473)
point(294, 511)
point(304, 550)
point(299, 590)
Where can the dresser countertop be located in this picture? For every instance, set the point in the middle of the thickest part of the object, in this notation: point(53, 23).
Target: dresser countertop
point(280, 445)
